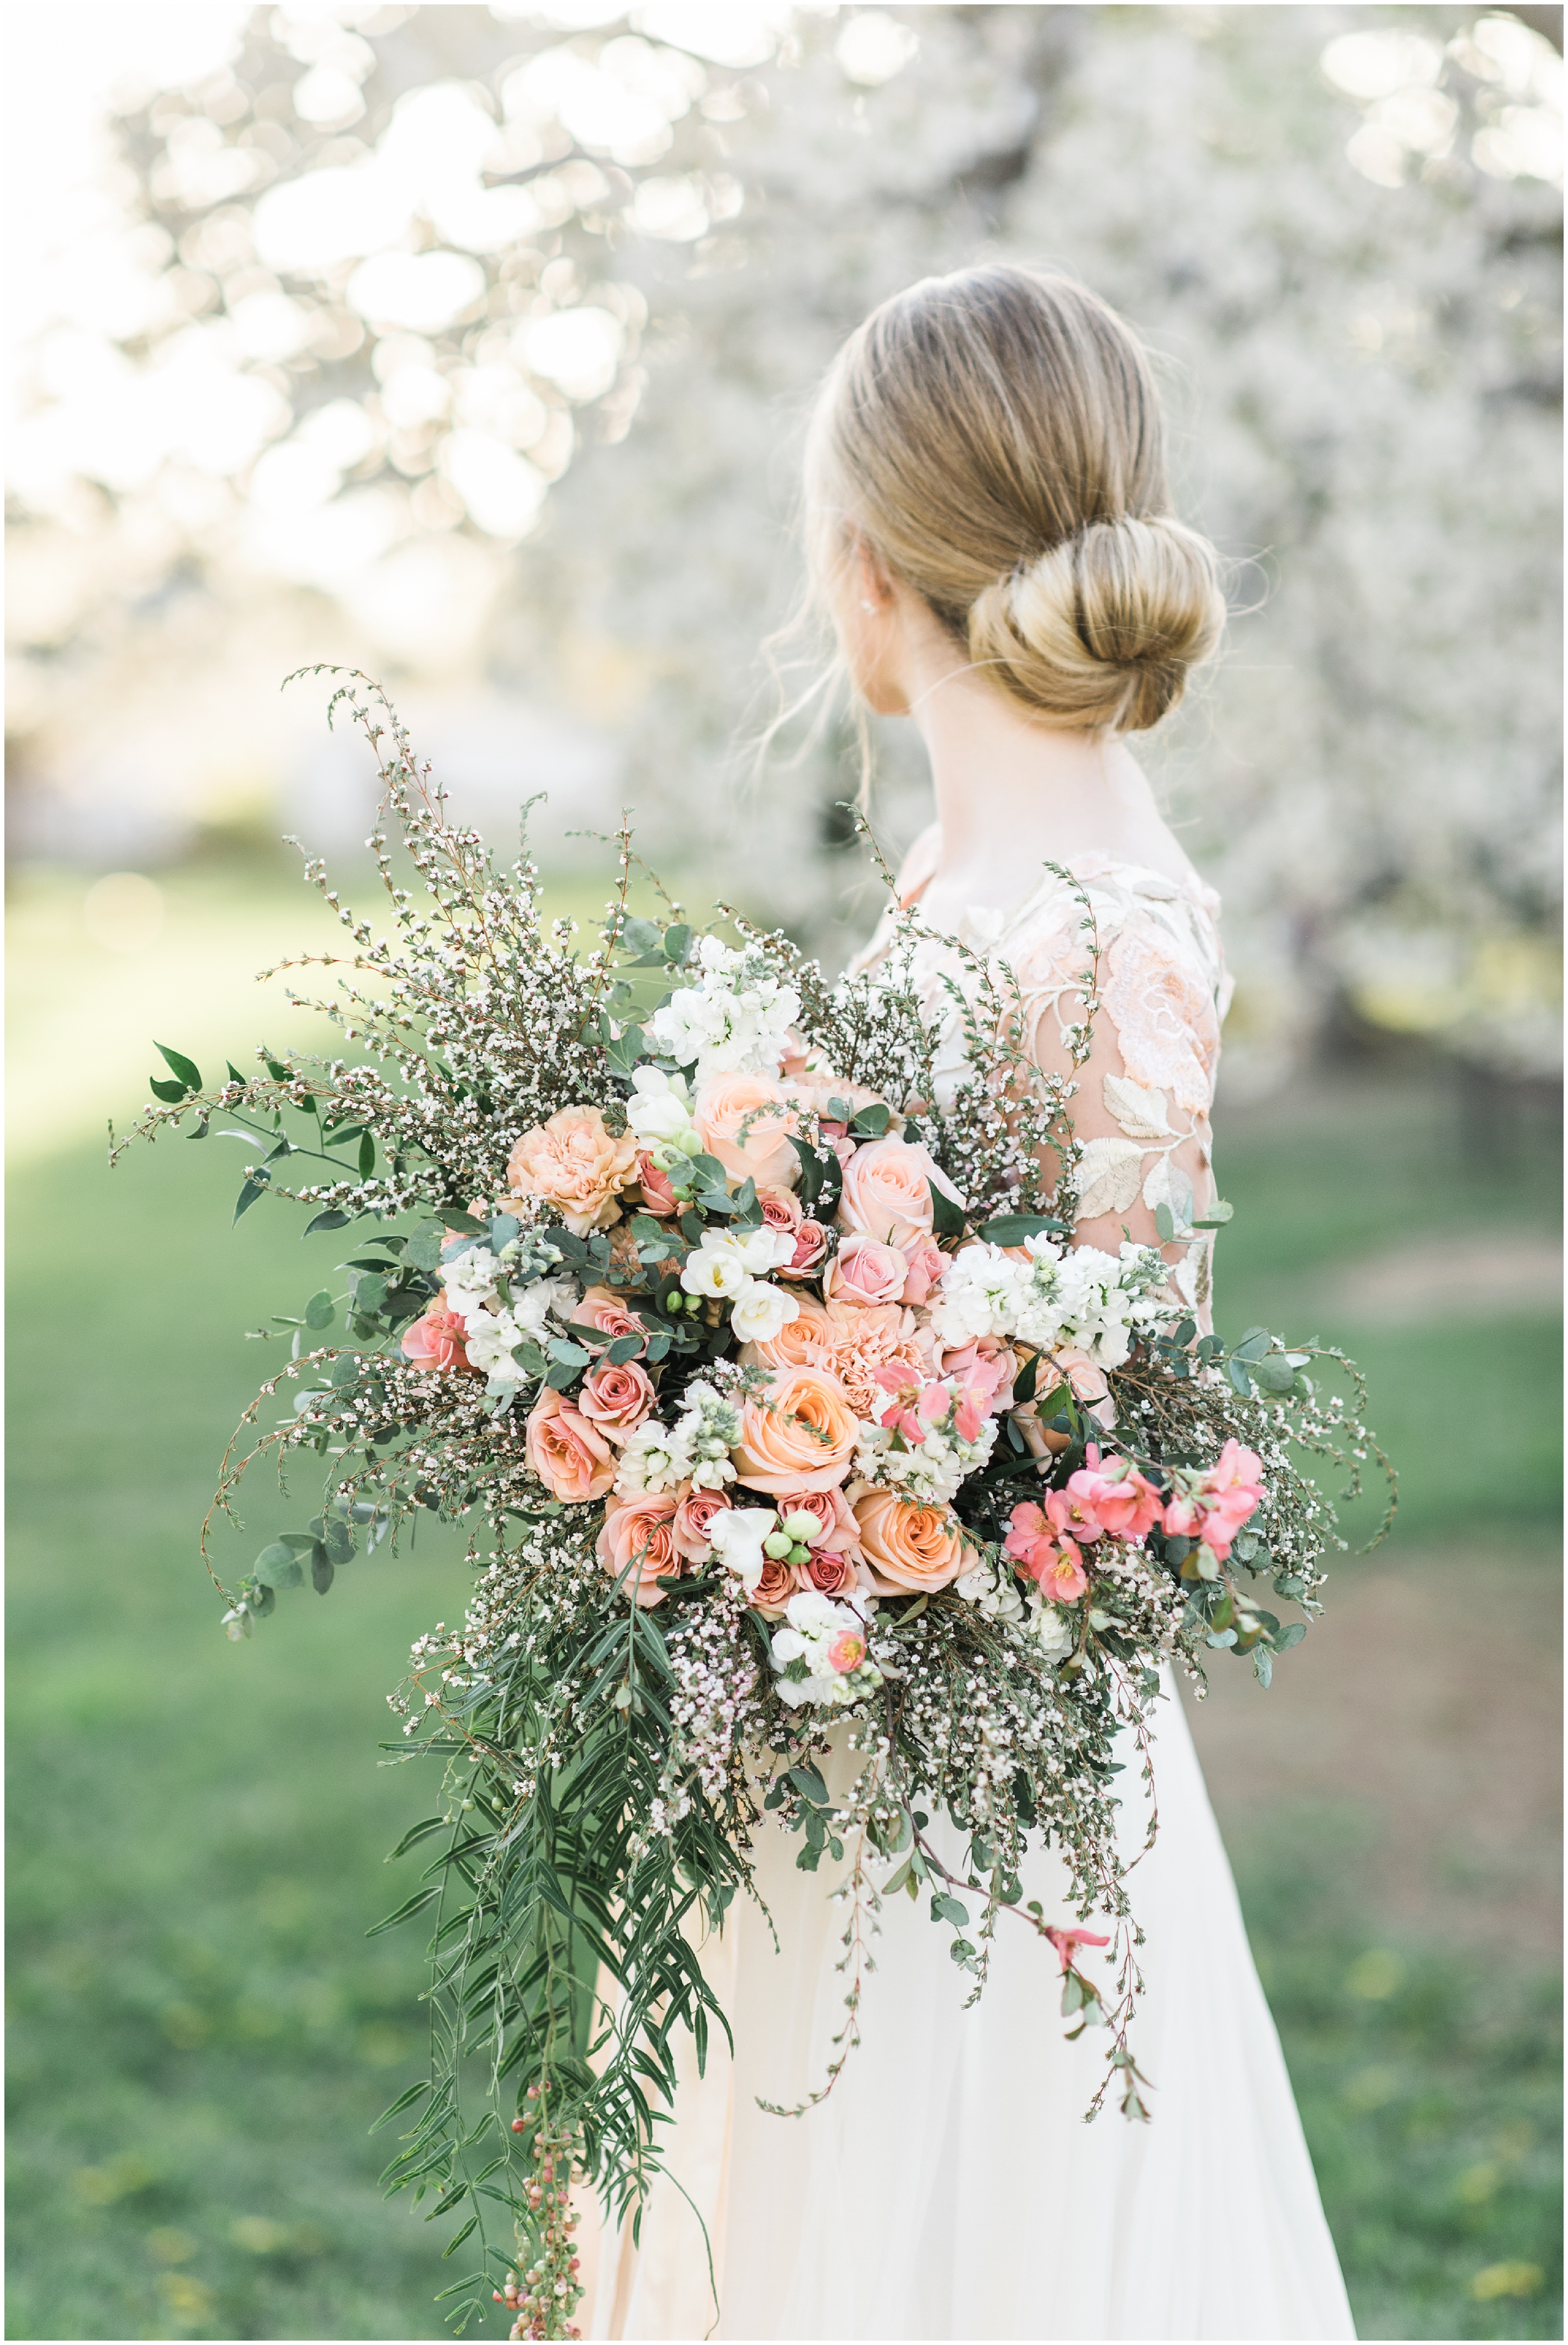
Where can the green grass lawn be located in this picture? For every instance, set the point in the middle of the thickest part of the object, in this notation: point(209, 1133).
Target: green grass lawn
point(201, 2035)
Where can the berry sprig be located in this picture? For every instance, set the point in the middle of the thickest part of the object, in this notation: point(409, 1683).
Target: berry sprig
point(550, 2291)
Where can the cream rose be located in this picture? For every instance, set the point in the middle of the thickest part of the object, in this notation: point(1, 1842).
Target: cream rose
point(576, 1164)
point(800, 1436)
point(887, 1191)
point(744, 1121)
point(907, 1547)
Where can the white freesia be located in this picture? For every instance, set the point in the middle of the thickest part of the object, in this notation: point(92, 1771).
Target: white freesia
point(737, 1537)
point(660, 1109)
point(713, 1271)
point(760, 1311)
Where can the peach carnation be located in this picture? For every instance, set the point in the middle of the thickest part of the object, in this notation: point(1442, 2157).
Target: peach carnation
point(857, 1340)
point(576, 1164)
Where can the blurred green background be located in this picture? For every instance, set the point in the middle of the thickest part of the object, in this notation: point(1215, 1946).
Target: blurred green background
point(202, 2037)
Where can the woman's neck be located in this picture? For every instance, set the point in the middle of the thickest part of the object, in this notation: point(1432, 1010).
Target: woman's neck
point(1012, 793)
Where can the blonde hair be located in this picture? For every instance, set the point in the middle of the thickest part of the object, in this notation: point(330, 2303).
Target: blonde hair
point(995, 438)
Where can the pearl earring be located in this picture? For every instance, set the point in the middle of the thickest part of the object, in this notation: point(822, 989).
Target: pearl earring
point(867, 607)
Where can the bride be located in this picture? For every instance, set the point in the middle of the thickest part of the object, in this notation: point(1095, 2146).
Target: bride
point(990, 527)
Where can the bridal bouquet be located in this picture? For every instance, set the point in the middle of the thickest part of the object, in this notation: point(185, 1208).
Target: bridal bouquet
point(774, 1397)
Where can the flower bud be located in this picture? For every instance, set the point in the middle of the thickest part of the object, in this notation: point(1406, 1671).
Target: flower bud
point(778, 1545)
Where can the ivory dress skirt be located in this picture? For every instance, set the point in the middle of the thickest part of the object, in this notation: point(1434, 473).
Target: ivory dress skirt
point(949, 2186)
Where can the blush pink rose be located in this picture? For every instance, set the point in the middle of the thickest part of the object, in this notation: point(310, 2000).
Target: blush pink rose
point(657, 1194)
point(616, 1400)
point(830, 1511)
point(603, 1308)
point(923, 1264)
point(810, 1246)
point(830, 1574)
point(745, 1121)
point(693, 1525)
point(638, 1538)
point(436, 1339)
point(865, 1271)
point(887, 1191)
point(572, 1457)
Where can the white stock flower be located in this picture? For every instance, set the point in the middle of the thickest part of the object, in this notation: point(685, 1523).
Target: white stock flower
point(654, 1458)
point(533, 1306)
point(760, 1311)
point(1050, 1630)
point(471, 1278)
point(735, 1019)
point(977, 1296)
point(737, 1539)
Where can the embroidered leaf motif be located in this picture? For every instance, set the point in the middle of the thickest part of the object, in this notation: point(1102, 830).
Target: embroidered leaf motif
point(1108, 1174)
point(1139, 1111)
point(1167, 1184)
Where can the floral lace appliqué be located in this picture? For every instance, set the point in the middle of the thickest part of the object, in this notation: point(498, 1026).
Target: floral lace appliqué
point(1164, 1017)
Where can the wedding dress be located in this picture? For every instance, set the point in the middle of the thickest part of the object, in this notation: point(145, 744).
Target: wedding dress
point(948, 2187)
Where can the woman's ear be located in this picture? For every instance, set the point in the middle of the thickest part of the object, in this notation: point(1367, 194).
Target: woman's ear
point(872, 584)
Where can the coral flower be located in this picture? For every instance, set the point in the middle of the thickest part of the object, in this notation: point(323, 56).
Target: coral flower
point(1067, 1943)
point(846, 1652)
point(1125, 1503)
point(1058, 1571)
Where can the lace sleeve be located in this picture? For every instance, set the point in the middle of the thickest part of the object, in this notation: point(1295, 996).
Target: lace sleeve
point(1143, 1098)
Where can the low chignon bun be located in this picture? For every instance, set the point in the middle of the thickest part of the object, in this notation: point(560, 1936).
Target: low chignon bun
point(995, 438)
point(1101, 630)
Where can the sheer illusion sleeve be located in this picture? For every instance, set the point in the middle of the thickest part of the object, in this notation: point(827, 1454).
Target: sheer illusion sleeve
point(1142, 1108)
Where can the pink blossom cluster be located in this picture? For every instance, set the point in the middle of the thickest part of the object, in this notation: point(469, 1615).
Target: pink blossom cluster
point(1109, 1498)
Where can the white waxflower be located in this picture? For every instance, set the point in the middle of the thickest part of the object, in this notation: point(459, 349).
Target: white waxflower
point(760, 1311)
point(737, 1539)
point(471, 1278)
point(489, 1337)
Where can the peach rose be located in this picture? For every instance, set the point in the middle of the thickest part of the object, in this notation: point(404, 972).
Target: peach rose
point(830, 1574)
point(887, 1191)
point(800, 1344)
point(865, 1271)
point(831, 1513)
point(603, 1308)
point(436, 1339)
point(616, 1400)
point(574, 1164)
point(744, 1121)
point(774, 1589)
point(800, 1436)
point(572, 1457)
point(638, 1538)
point(657, 1194)
point(695, 1513)
point(908, 1545)
point(810, 1246)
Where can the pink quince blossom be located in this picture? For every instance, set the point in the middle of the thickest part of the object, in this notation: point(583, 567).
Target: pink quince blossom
point(1067, 1941)
point(913, 1406)
point(846, 1652)
point(1055, 1564)
point(1123, 1502)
